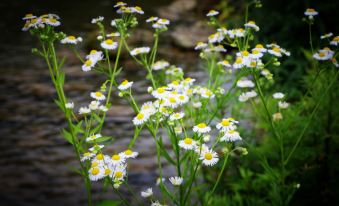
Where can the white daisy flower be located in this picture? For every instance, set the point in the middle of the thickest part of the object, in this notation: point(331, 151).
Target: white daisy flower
point(98, 96)
point(171, 101)
point(226, 125)
point(148, 108)
point(137, 9)
point(225, 63)
point(239, 63)
point(216, 38)
point(113, 34)
point(125, 85)
point(176, 181)
point(256, 54)
point(335, 41)
point(152, 19)
point(94, 105)
point(201, 128)
point(278, 95)
point(177, 116)
point(231, 136)
point(251, 24)
point(93, 137)
point(163, 21)
point(323, 54)
point(187, 143)
point(96, 173)
point(157, 203)
point(206, 93)
point(325, 36)
point(71, 40)
point(247, 95)
point(96, 148)
point(120, 4)
point(147, 193)
point(29, 17)
point(69, 105)
point(276, 51)
point(109, 44)
point(98, 19)
point(84, 110)
point(212, 13)
point(103, 108)
point(52, 21)
point(140, 50)
point(209, 157)
point(87, 156)
point(175, 85)
point(119, 172)
point(260, 48)
point(140, 118)
point(245, 83)
point(277, 116)
point(95, 56)
point(200, 45)
point(310, 12)
point(283, 105)
point(88, 65)
point(159, 65)
point(182, 99)
point(117, 159)
point(128, 154)
point(160, 93)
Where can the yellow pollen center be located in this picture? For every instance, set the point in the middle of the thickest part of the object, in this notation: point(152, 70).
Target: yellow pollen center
point(188, 140)
point(88, 63)
point(276, 49)
point(100, 157)
point(336, 38)
point(124, 82)
point(93, 51)
point(181, 97)
point(71, 37)
point(109, 41)
point(94, 164)
point(245, 53)
point(208, 156)
point(172, 100)
point(238, 60)
point(128, 152)
point(225, 122)
point(98, 94)
point(115, 157)
point(255, 52)
point(259, 46)
point(140, 116)
point(118, 174)
point(161, 90)
point(86, 154)
point(322, 54)
point(310, 10)
point(95, 171)
point(202, 125)
point(107, 171)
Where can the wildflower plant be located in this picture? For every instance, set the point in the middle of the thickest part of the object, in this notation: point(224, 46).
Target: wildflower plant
point(196, 118)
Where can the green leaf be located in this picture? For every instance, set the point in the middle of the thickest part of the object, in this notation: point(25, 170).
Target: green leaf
point(67, 136)
point(101, 139)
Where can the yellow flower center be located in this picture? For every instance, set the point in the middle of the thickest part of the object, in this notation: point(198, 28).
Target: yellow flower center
point(231, 132)
point(124, 82)
point(322, 54)
point(276, 49)
point(238, 60)
point(253, 64)
point(98, 94)
point(95, 171)
point(201, 125)
point(175, 82)
point(86, 154)
point(181, 97)
point(52, 20)
point(140, 116)
point(71, 38)
point(109, 41)
point(116, 157)
point(209, 93)
point(28, 15)
point(100, 157)
point(259, 46)
point(94, 164)
point(251, 22)
point(172, 100)
point(161, 90)
point(255, 52)
point(88, 63)
point(188, 140)
point(310, 10)
point(118, 174)
point(93, 52)
point(225, 122)
point(128, 152)
point(336, 38)
point(225, 62)
point(137, 8)
point(107, 171)
point(208, 156)
point(245, 53)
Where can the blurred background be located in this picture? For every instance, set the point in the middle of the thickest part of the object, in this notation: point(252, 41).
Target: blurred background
point(35, 161)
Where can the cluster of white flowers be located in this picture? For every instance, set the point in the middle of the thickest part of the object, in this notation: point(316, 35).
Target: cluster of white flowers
point(95, 105)
point(158, 23)
point(35, 22)
point(91, 59)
